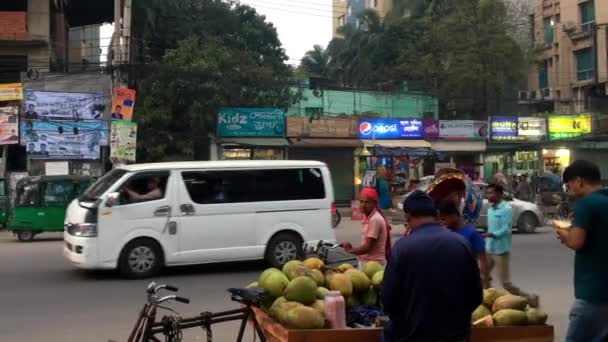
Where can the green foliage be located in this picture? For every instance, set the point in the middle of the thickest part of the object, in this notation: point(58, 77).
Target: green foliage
point(199, 56)
point(460, 51)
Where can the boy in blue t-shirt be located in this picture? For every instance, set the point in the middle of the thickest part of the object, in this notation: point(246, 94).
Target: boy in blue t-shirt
point(453, 220)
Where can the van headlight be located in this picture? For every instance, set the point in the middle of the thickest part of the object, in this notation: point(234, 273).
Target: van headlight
point(82, 229)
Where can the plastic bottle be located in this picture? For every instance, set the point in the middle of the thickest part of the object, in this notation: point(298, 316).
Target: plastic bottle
point(335, 310)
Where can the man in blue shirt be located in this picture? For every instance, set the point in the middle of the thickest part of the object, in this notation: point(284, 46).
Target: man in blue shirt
point(453, 220)
point(589, 238)
point(498, 243)
point(431, 283)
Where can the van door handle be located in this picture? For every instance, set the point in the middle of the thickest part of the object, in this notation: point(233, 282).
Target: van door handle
point(187, 209)
point(163, 211)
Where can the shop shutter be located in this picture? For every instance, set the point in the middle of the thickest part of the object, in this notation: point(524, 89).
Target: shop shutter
point(341, 165)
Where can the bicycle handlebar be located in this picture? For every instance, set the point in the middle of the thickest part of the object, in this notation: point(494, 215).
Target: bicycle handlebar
point(171, 288)
point(182, 300)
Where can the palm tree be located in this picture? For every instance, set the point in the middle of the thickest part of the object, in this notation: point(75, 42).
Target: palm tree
point(316, 62)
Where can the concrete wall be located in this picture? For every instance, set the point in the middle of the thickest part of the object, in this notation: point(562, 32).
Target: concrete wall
point(84, 45)
point(336, 102)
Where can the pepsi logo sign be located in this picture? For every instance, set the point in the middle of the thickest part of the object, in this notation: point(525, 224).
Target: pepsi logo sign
point(365, 128)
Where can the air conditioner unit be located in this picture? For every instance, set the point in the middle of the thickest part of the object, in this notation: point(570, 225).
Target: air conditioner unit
point(523, 96)
point(547, 94)
point(533, 95)
point(570, 27)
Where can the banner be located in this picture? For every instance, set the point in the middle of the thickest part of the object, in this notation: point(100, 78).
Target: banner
point(49, 105)
point(63, 140)
point(123, 141)
point(380, 128)
point(251, 122)
point(569, 126)
point(455, 129)
point(11, 92)
point(9, 125)
point(123, 102)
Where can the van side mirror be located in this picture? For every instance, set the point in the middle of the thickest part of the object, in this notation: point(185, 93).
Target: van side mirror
point(113, 199)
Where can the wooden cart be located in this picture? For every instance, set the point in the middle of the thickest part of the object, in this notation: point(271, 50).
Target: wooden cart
point(275, 332)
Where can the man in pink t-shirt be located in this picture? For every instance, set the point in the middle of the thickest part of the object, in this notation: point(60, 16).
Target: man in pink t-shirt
point(374, 231)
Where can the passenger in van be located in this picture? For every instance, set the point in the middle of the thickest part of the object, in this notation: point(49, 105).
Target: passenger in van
point(152, 191)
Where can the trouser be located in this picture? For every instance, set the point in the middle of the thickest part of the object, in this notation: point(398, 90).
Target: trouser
point(502, 263)
point(588, 322)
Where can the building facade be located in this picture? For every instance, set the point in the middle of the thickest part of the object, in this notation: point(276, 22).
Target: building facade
point(348, 11)
point(570, 73)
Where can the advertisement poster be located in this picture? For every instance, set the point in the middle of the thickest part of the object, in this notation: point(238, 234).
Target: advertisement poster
point(251, 122)
point(455, 129)
point(11, 92)
point(63, 140)
point(50, 105)
point(503, 128)
point(123, 141)
point(532, 129)
point(9, 125)
point(564, 127)
point(377, 128)
point(123, 102)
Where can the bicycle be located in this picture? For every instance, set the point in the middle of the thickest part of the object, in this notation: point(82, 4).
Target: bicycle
point(147, 328)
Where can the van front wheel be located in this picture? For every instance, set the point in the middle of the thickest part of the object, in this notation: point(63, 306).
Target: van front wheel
point(140, 258)
point(283, 248)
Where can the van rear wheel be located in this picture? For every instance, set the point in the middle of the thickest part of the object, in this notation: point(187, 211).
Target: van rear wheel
point(25, 235)
point(282, 248)
point(141, 258)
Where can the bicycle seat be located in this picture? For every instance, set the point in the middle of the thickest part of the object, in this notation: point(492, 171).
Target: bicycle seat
point(249, 296)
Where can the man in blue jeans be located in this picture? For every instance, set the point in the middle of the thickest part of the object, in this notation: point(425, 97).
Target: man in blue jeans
point(588, 237)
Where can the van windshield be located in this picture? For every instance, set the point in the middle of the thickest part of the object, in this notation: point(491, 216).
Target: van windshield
point(102, 185)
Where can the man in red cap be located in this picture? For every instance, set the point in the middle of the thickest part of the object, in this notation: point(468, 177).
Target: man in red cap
point(375, 235)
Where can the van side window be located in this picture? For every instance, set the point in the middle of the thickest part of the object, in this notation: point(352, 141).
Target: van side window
point(213, 187)
point(149, 186)
point(219, 186)
point(57, 194)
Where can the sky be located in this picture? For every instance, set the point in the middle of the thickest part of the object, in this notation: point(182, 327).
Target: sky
point(300, 23)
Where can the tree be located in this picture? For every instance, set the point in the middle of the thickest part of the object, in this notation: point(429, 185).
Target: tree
point(198, 56)
point(315, 62)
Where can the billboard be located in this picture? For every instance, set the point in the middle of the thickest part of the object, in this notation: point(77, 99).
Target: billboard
point(503, 128)
point(11, 92)
point(9, 125)
point(51, 105)
point(123, 101)
point(569, 126)
point(380, 128)
point(455, 129)
point(63, 140)
point(123, 141)
point(251, 122)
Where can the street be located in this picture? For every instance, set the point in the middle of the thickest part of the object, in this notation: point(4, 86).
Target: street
point(45, 299)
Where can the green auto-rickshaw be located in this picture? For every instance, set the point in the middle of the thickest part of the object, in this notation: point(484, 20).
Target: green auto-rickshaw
point(41, 203)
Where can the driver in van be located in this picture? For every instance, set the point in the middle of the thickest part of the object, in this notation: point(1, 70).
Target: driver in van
point(153, 191)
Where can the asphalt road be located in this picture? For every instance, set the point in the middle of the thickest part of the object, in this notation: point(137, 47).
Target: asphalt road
point(43, 298)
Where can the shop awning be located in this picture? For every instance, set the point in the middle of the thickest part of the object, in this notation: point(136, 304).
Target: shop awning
point(458, 146)
point(317, 142)
point(254, 141)
point(398, 143)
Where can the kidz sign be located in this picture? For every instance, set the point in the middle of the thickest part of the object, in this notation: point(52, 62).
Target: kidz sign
point(390, 129)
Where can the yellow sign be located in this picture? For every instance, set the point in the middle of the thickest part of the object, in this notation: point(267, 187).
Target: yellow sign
point(569, 126)
point(11, 92)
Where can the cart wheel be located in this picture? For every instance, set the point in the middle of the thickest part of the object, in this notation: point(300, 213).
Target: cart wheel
point(25, 235)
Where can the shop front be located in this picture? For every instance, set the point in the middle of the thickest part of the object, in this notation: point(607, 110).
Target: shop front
point(251, 134)
point(564, 131)
point(458, 143)
point(329, 140)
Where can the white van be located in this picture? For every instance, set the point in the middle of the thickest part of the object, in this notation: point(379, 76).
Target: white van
point(139, 218)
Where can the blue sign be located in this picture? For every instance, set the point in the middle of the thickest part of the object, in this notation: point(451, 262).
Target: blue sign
point(251, 122)
point(374, 128)
point(504, 128)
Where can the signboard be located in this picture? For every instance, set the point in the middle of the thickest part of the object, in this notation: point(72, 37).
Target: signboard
point(123, 101)
point(49, 105)
point(57, 168)
point(123, 141)
point(322, 128)
point(63, 140)
point(11, 92)
point(379, 128)
point(564, 127)
point(9, 125)
point(513, 129)
point(251, 122)
point(455, 129)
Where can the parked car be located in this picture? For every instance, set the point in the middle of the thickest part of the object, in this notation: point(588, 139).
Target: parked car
point(527, 216)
